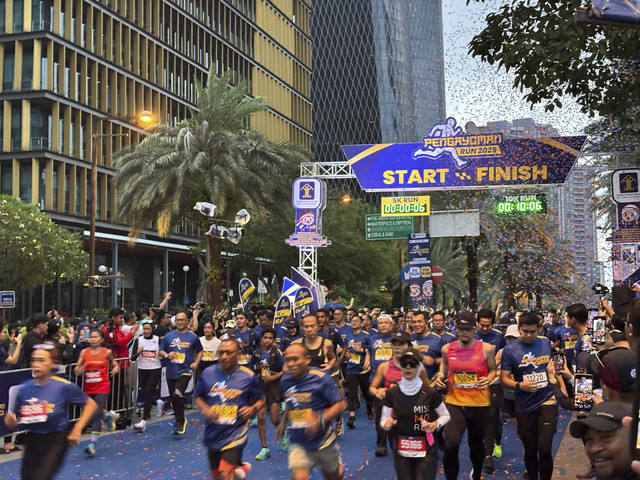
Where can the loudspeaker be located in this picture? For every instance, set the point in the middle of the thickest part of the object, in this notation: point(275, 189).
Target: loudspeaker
point(622, 298)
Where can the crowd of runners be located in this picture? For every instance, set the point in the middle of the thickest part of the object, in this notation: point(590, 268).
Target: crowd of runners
point(424, 378)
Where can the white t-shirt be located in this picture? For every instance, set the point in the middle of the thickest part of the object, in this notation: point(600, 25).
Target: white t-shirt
point(209, 348)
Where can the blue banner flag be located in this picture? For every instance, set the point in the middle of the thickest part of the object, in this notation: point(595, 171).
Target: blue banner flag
point(448, 158)
point(302, 303)
point(289, 287)
point(247, 290)
point(283, 310)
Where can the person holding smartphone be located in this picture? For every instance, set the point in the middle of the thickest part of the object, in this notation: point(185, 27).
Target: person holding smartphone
point(536, 409)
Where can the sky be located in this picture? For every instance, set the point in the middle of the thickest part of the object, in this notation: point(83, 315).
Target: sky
point(479, 92)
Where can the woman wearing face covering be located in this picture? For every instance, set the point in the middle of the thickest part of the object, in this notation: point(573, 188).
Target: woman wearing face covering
point(413, 412)
point(81, 339)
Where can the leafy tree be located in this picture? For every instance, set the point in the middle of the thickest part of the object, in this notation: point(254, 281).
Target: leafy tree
point(551, 56)
point(34, 250)
point(210, 157)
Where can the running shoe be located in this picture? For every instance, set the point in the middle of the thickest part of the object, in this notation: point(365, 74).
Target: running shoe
point(370, 412)
point(351, 423)
point(263, 454)
point(180, 427)
point(242, 471)
point(339, 427)
point(487, 466)
point(381, 451)
point(497, 451)
point(254, 421)
point(284, 441)
point(90, 449)
point(110, 419)
point(159, 407)
point(141, 426)
point(169, 411)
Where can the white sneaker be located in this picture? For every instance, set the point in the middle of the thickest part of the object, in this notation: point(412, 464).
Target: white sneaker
point(242, 471)
point(159, 407)
point(141, 426)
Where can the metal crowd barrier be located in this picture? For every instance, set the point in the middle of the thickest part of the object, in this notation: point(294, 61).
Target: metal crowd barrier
point(122, 398)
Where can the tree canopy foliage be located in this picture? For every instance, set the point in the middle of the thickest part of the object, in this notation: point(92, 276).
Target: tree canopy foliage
point(552, 56)
point(34, 250)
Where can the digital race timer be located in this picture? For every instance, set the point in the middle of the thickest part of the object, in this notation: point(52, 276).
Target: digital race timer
point(524, 203)
point(405, 206)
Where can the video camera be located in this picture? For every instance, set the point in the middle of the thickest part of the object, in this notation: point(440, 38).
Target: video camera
point(600, 290)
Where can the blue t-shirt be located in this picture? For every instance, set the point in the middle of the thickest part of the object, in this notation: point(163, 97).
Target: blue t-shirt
point(429, 345)
point(336, 338)
point(261, 359)
point(314, 392)
point(529, 361)
point(247, 346)
point(44, 408)
point(568, 338)
point(447, 337)
point(281, 332)
point(380, 350)
point(355, 362)
point(342, 331)
point(550, 331)
point(229, 392)
point(184, 344)
point(494, 337)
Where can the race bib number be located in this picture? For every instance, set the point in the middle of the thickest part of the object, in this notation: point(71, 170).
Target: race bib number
point(93, 376)
point(178, 357)
point(383, 354)
point(570, 344)
point(244, 359)
point(539, 377)
point(412, 446)
point(208, 356)
point(33, 413)
point(465, 380)
point(300, 418)
point(265, 371)
point(150, 354)
point(227, 414)
point(355, 358)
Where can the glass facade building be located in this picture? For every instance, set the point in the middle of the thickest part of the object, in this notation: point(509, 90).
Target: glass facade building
point(378, 72)
point(65, 62)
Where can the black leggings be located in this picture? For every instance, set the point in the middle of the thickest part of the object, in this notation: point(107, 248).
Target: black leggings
point(536, 431)
point(177, 389)
point(149, 380)
point(43, 455)
point(424, 468)
point(353, 382)
point(473, 419)
point(96, 420)
point(381, 433)
point(494, 422)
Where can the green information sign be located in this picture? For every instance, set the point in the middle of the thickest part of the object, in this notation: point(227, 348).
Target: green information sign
point(388, 228)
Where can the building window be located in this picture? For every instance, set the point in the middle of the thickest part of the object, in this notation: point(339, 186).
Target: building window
point(27, 69)
point(6, 173)
point(18, 16)
point(7, 79)
point(25, 181)
point(3, 6)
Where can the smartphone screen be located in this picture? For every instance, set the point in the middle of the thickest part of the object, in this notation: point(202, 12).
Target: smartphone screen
point(558, 361)
point(599, 326)
point(635, 424)
point(583, 391)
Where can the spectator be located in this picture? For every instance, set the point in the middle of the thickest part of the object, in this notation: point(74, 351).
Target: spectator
point(616, 368)
point(37, 324)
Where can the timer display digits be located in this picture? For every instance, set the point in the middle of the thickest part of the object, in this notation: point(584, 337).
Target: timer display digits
point(516, 204)
point(403, 206)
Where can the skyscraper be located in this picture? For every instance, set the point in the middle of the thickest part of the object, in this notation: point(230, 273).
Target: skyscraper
point(378, 72)
point(64, 64)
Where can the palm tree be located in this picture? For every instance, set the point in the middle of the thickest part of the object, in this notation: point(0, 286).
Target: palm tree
point(210, 157)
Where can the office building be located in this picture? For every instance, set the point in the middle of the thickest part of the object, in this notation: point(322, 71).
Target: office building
point(63, 63)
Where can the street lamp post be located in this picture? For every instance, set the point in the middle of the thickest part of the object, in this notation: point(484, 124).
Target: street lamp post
point(144, 117)
point(185, 269)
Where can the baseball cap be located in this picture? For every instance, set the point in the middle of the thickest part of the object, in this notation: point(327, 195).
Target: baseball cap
point(616, 368)
point(465, 319)
point(230, 324)
point(291, 323)
point(402, 337)
point(411, 353)
point(604, 417)
point(512, 331)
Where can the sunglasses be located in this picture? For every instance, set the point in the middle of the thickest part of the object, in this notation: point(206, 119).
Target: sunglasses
point(600, 354)
point(409, 363)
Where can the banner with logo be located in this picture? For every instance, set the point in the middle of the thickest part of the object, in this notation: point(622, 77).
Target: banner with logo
point(283, 310)
point(420, 281)
point(301, 278)
point(625, 252)
point(302, 303)
point(309, 197)
point(247, 291)
point(448, 158)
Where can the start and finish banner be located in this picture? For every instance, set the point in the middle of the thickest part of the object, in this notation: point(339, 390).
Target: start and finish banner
point(448, 158)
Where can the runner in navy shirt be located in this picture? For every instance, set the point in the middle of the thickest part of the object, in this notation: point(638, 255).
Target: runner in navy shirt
point(536, 409)
point(358, 363)
point(427, 343)
point(41, 407)
point(381, 343)
point(183, 349)
point(313, 402)
point(228, 395)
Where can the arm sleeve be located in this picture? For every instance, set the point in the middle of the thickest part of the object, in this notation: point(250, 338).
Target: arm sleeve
point(386, 413)
point(123, 339)
point(443, 414)
point(505, 361)
point(134, 350)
